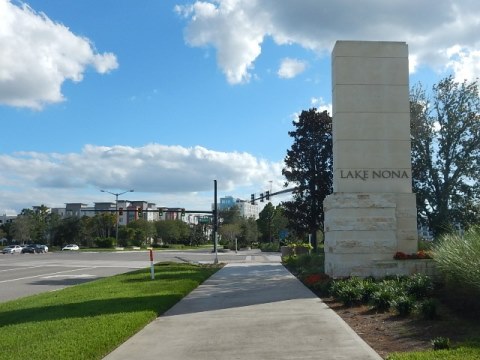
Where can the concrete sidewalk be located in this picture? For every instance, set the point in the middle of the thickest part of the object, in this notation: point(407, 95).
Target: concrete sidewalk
point(254, 311)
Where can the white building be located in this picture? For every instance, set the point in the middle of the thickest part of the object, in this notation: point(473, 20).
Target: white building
point(246, 209)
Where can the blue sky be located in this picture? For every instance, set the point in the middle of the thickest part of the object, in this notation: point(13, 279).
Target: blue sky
point(164, 96)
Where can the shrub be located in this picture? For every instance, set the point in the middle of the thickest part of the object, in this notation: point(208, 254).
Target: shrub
point(428, 309)
point(403, 304)
point(105, 243)
point(270, 247)
point(382, 298)
point(441, 343)
point(457, 257)
point(348, 291)
point(418, 285)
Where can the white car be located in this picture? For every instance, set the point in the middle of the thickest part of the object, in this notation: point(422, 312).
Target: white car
point(71, 247)
point(12, 249)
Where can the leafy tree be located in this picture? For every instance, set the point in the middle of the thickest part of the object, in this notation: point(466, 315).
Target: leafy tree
point(197, 235)
point(445, 131)
point(39, 230)
point(8, 228)
point(248, 232)
point(53, 221)
point(126, 235)
point(144, 231)
point(265, 223)
point(308, 165)
point(22, 226)
point(230, 215)
point(229, 232)
point(68, 231)
point(279, 221)
point(103, 225)
point(172, 231)
point(271, 222)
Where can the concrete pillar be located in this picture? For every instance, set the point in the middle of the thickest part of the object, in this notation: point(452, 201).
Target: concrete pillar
point(372, 212)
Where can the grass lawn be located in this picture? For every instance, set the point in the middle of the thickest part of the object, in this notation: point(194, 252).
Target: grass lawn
point(469, 350)
point(90, 320)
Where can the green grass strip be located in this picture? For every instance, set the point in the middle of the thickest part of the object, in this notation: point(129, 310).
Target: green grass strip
point(469, 350)
point(90, 320)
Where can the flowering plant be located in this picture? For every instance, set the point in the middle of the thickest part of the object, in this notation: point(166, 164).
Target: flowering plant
point(421, 254)
point(312, 279)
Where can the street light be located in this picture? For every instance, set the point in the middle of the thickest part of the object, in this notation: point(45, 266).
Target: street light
point(116, 209)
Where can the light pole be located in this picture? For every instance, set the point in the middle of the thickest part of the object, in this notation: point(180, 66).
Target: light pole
point(116, 210)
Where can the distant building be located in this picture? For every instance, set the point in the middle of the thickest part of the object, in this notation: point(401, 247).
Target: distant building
point(246, 209)
point(7, 218)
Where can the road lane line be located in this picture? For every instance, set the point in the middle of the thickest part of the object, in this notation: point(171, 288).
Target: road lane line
point(21, 268)
point(43, 275)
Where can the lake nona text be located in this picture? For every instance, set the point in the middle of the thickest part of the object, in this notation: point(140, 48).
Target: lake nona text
point(365, 174)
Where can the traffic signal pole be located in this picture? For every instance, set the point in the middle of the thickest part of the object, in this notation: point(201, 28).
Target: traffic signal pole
point(215, 221)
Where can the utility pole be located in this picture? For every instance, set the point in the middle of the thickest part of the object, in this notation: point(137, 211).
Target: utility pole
point(215, 221)
point(116, 209)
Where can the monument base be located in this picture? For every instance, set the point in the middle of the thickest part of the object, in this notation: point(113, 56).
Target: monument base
point(363, 229)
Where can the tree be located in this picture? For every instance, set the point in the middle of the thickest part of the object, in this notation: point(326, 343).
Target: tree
point(197, 235)
point(229, 232)
point(22, 226)
point(145, 231)
point(68, 231)
point(265, 222)
point(230, 215)
point(248, 232)
point(308, 165)
point(172, 231)
point(445, 130)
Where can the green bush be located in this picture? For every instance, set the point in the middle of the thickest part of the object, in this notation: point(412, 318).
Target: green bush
point(270, 247)
point(104, 243)
point(305, 264)
point(382, 298)
point(428, 309)
point(458, 257)
point(441, 343)
point(349, 291)
point(403, 304)
point(418, 285)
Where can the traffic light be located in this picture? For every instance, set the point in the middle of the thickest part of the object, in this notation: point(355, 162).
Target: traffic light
point(183, 212)
point(267, 195)
point(160, 212)
point(139, 210)
point(252, 199)
point(120, 211)
point(261, 197)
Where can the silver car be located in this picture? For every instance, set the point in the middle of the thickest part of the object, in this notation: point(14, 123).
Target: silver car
point(12, 249)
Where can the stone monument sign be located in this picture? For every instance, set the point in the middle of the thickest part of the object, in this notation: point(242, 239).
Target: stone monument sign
point(372, 212)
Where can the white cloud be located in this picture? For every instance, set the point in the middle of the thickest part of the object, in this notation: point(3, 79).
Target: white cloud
point(236, 29)
point(166, 172)
point(289, 68)
point(465, 63)
point(321, 105)
point(38, 55)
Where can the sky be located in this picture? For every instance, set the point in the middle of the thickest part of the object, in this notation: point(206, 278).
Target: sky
point(166, 96)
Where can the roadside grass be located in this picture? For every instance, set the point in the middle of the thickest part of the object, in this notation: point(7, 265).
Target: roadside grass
point(90, 320)
point(469, 350)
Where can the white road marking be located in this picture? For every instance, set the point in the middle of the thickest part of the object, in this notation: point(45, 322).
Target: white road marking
point(43, 275)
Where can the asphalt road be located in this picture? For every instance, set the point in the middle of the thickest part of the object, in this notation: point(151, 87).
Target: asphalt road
point(27, 274)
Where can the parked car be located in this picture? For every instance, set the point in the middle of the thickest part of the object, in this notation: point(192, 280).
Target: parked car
point(34, 249)
point(71, 247)
point(44, 247)
point(12, 249)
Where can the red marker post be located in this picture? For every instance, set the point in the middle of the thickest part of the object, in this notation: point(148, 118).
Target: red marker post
point(152, 270)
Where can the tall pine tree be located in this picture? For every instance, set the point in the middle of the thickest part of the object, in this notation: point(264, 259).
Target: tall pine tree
point(308, 166)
